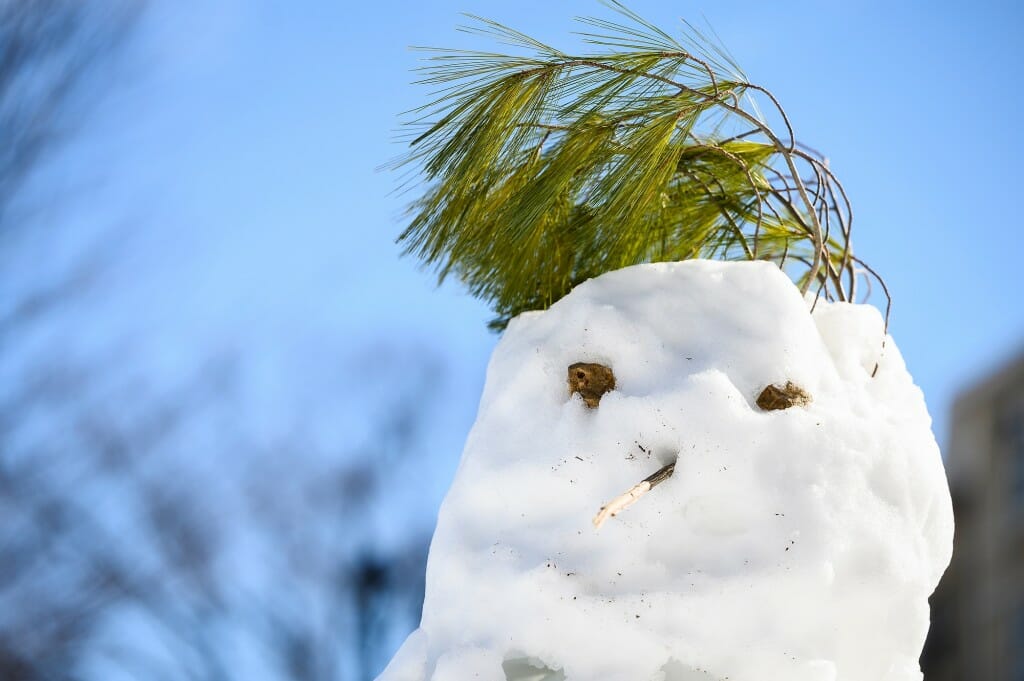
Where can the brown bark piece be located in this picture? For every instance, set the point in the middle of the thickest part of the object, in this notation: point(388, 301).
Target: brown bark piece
point(591, 381)
point(773, 397)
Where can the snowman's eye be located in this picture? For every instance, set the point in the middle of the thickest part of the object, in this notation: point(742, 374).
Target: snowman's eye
point(776, 397)
point(590, 381)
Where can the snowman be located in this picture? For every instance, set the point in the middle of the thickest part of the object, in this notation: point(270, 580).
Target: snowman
point(679, 472)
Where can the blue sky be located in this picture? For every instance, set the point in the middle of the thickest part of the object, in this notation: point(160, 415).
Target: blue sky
point(229, 180)
point(236, 159)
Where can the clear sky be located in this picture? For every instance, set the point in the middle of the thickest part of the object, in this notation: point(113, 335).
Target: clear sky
point(237, 160)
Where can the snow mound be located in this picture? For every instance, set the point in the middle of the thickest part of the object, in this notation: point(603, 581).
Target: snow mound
point(791, 545)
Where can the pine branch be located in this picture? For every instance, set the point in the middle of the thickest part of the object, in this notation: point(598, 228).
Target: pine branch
point(546, 168)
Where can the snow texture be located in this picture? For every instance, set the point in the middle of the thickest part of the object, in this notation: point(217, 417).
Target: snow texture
point(792, 545)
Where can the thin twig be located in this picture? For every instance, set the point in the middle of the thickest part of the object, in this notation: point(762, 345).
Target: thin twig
point(633, 494)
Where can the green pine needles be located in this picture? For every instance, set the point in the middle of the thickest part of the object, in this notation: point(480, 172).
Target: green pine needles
point(544, 169)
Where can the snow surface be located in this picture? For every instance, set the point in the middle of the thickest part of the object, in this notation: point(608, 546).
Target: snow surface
point(794, 545)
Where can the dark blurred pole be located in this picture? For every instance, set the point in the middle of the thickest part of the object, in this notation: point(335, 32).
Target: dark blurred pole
point(373, 586)
point(389, 601)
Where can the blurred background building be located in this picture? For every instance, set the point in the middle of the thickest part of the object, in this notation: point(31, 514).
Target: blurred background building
point(229, 409)
point(978, 611)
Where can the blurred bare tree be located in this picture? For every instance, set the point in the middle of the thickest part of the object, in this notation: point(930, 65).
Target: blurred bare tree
point(140, 538)
point(105, 523)
point(53, 56)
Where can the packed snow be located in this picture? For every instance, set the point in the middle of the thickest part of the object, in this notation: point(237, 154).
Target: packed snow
point(798, 544)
